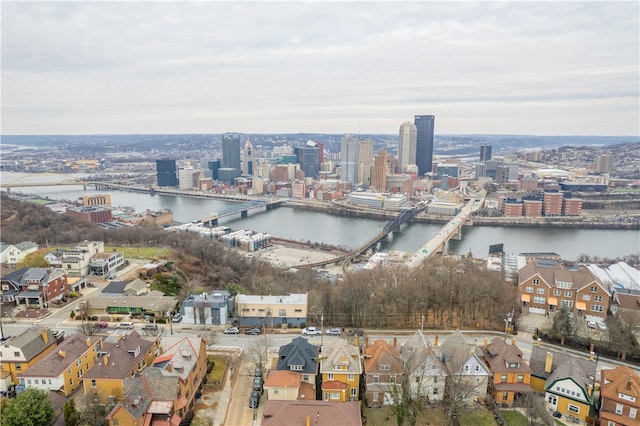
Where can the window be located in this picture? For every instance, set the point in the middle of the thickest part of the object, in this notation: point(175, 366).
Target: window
point(503, 378)
point(335, 395)
point(354, 392)
point(283, 312)
point(633, 412)
point(536, 281)
point(540, 290)
point(350, 377)
point(567, 303)
point(326, 396)
point(513, 365)
point(520, 378)
point(384, 367)
point(586, 297)
point(305, 378)
point(529, 290)
point(593, 289)
point(435, 380)
point(18, 366)
point(374, 396)
point(297, 311)
point(557, 292)
point(392, 378)
point(330, 376)
point(574, 408)
point(28, 381)
point(477, 368)
point(376, 378)
point(16, 354)
point(610, 423)
point(619, 408)
point(539, 300)
point(93, 383)
point(275, 391)
point(435, 391)
point(505, 396)
point(597, 299)
point(597, 308)
point(568, 293)
point(116, 422)
point(553, 400)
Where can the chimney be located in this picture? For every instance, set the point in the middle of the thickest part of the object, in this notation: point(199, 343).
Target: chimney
point(628, 381)
point(88, 341)
point(548, 362)
point(435, 343)
point(62, 354)
point(45, 336)
point(105, 360)
point(308, 421)
point(486, 343)
point(513, 341)
point(395, 342)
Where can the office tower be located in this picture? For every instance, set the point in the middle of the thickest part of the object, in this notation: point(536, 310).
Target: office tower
point(231, 152)
point(214, 166)
point(379, 172)
point(366, 152)
point(349, 159)
point(309, 160)
point(320, 153)
point(247, 158)
point(166, 172)
point(424, 142)
point(485, 152)
point(407, 146)
point(604, 163)
point(186, 176)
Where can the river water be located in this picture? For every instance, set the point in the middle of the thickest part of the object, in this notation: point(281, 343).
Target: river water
point(352, 232)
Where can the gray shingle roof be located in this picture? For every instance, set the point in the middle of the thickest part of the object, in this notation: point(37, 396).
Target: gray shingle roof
point(31, 341)
point(298, 352)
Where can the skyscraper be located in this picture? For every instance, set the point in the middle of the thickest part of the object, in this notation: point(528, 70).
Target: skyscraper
point(247, 158)
point(167, 172)
point(379, 172)
point(349, 159)
point(485, 152)
point(231, 152)
point(407, 145)
point(424, 142)
point(309, 160)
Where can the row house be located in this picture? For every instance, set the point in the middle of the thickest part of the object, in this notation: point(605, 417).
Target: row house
point(511, 373)
point(566, 382)
point(427, 373)
point(63, 369)
point(341, 367)
point(383, 369)
point(34, 286)
point(19, 353)
point(301, 359)
point(166, 391)
point(121, 356)
point(272, 311)
point(543, 288)
point(619, 397)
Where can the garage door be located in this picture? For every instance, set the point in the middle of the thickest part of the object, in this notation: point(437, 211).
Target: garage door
point(540, 311)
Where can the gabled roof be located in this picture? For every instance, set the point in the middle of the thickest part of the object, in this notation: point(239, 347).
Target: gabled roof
point(418, 351)
point(114, 287)
point(299, 352)
point(499, 355)
point(31, 342)
point(572, 370)
point(282, 378)
point(539, 356)
point(456, 352)
point(180, 355)
point(120, 355)
point(551, 275)
point(382, 353)
point(620, 380)
point(16, 276)
point(26, 245)
point(454, 344)
point(56, 362)
point(339, 352)
point(628, 301)
point(320, 413)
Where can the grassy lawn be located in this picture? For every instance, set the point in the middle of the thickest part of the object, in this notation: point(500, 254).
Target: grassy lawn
point(143, 252)
point(219, 368)
point(514, 418)
point(478, 418)
point(384, 416)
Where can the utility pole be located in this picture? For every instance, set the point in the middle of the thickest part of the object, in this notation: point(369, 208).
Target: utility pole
point(321, 329)
point(422, 323)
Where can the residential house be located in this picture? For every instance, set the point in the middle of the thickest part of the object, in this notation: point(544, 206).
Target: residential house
point(316, 413)
point(19, 353)
point(212, 309)
point(62, 370)
point(272, 311)
point(121, 356)
point(341, 367)
point(286, 385)
point(103, 264)
point(626, 305)
point(383, 369)
point(13, 254)
point(619, 397)
point(467, 374)
point(166, 391)
point(423, 364)
point(566, 381)
point(34, 286)
point(511, 373)
point(543, 287)
point(301, 357)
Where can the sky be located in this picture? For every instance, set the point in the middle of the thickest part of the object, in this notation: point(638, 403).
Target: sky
point(509, 67)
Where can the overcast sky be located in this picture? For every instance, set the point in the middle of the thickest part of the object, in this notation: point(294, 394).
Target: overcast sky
point(543, 68)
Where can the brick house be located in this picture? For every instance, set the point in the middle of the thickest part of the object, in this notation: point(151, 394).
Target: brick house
point(619, 397)
point(35, 286)
point(383, 372)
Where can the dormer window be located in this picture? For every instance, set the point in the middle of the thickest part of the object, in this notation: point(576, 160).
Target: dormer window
point(384, 367)
point(513, 365)
point(295, 367)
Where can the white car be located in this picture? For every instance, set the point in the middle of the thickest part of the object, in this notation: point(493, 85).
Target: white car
point(602, 325)
point(591, 324)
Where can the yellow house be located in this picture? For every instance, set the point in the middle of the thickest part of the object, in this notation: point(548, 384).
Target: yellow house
point(122, 355)
point(272, 311)
point(63, 369)
point(20, 352)
point(341, 367)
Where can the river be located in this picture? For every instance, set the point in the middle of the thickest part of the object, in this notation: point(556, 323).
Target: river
point(352, 232)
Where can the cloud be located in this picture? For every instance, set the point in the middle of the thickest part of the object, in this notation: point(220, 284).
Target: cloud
point(150, 67)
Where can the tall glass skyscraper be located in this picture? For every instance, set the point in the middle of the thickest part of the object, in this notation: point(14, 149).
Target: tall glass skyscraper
point(349, 159)
point(231, 152)
point(407, 146)
point(424, 142)
point(167, 172)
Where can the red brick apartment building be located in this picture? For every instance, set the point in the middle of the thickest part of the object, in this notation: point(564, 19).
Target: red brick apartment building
point(532, 208)
point(91, 214)
point(552, 204)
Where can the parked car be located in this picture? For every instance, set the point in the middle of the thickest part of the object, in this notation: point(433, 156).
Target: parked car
point(126, 324)
point(177, 317)
point(232, 330)
point(602, 325)
point(258, 371)
point(253, 331)
point(58, 333)
point(254, 399)
point(113, 276)
point(101, 324)
point(591, 324)
point(150, 327)
point(334, 331)
point(257, 384)
point(357, 332)
point(311, 331)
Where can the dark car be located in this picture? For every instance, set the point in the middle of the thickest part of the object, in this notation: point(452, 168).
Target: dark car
point(357, 332)
point(254, 399)
point(149, 327)
point(253, 331)
point(257, 384)
point(258, 371)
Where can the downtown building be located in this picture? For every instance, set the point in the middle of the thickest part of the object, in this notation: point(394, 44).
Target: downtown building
point(407, 146)
point(424, 142)
point(166, 172)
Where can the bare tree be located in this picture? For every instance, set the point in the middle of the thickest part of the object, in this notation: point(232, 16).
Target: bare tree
point(258, 351)
point(86, 327)
point(461, 387)
point(535, 410)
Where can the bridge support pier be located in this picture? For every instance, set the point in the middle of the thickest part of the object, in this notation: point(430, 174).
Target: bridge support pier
point(244, 213)
point(212, 223)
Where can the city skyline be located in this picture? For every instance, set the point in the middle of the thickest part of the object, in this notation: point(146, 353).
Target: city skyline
point(567, 68)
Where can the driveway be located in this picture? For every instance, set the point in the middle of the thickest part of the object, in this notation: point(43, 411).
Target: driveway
point(238, 411)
